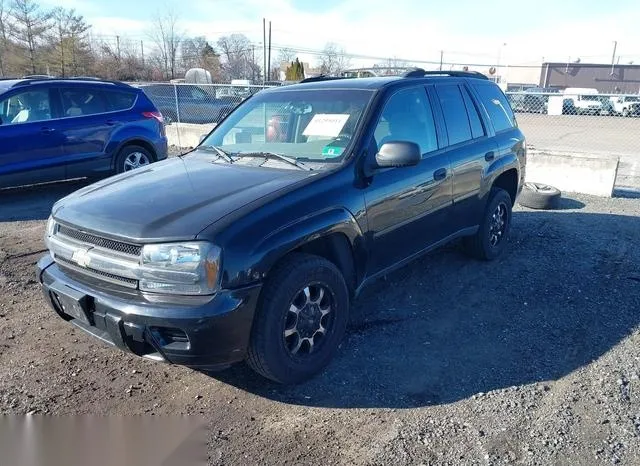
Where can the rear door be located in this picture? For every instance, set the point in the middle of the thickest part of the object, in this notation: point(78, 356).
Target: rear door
point(31, 149)
point(471, 150)
point(87, 126)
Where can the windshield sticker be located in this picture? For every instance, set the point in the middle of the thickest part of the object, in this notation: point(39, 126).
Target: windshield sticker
point(326, 124)
point(332, 151)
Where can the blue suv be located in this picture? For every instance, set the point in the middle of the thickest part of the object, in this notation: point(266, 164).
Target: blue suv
point(55, 129)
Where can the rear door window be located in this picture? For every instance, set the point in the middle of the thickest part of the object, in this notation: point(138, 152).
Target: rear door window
point(119, 100)
point(496, 105)
point(455, 113)
point(78, 102)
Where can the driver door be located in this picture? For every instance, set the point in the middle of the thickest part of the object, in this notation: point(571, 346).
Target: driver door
point(408, 209)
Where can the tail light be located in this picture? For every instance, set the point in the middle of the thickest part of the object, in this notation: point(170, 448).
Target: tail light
point(155, 115)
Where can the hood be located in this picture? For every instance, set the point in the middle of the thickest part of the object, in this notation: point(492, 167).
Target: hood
point(170, 200)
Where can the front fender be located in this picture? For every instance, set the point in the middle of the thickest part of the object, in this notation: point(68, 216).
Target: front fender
point(279, 242)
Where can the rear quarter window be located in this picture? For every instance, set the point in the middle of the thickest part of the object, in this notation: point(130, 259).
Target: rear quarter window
point(497, 106)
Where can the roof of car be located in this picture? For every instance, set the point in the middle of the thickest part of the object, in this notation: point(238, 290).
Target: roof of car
point(20, 82)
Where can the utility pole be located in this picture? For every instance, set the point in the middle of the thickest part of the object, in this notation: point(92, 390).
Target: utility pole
point(142, 49)
point(613, 57)
point(264, 49)
point(441, 58)
point(269, 56)
point(118, 46)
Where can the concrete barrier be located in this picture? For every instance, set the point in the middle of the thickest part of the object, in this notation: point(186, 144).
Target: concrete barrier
point(185, 135)
point(578, 173)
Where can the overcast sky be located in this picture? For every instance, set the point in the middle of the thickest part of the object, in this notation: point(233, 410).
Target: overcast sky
point(468, 31)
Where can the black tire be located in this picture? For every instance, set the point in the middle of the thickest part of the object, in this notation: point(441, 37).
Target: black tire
point(126, 152)
point(481, 245)
point(539, 196)
point(270, 352)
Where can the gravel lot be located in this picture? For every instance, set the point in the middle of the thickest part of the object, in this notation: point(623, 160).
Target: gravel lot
point(532, 359)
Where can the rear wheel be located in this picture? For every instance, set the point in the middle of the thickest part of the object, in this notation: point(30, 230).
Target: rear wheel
point(491, 238)
point(132, 157)
point(301, 320)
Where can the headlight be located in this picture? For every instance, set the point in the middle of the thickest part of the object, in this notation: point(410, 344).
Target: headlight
point(180, 268)
point(50, 230)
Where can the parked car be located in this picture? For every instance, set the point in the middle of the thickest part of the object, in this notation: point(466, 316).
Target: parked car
point(263, 241)
point(532, 100)
point(581, 101)
point(55, 129)
point(626, 105)
point(187, 103)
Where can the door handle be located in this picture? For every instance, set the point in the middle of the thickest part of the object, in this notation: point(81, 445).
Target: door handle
point(46, 130)
point(440, 174)
point(489, 156)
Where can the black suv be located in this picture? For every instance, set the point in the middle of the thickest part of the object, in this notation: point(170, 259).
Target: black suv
point(263, 235)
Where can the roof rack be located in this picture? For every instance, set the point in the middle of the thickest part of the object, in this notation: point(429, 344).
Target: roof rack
point(323, 77)
point(420, 73)
point(31, 80)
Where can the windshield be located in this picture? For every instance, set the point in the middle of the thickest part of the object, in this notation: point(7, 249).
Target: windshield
point(307, 125)
point(590, 97)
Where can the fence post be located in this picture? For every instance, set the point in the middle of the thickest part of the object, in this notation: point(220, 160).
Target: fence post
point(175, 93)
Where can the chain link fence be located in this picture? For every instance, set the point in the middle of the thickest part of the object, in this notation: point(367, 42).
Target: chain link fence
point(583, 123)
point(191, 110)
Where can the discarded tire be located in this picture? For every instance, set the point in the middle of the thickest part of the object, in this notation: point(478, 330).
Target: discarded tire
point(539, 196)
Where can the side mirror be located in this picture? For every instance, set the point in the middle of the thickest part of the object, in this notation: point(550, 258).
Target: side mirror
point(398, 154)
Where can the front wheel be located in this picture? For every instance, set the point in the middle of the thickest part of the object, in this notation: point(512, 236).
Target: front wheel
point(491, 238)
point(301, 320)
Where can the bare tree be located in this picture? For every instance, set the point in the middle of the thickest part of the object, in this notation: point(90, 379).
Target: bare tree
point(78, 43)
point(5, 13)
point(286, 55)
point(239, 57)
point(333, 59)
point(61, 20)
point(167, 39)
point(30, 26)
point(392, 66)
point(198, 53)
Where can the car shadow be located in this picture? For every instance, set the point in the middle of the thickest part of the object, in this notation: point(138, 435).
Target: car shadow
point(34, 202)
point(565, 292)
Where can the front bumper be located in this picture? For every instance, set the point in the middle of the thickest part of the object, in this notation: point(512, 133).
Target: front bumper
point(204, 332)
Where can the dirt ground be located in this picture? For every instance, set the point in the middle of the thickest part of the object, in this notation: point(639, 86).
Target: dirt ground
point(531, 359)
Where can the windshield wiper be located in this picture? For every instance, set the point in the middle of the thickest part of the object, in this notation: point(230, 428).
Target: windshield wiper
point(221, 153)
point(273, 155)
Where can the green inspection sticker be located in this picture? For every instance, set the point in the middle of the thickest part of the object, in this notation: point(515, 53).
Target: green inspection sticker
point(332, 151)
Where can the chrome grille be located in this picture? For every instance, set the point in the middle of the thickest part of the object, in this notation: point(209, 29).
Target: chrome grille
point(115, 279)
point(93, 240)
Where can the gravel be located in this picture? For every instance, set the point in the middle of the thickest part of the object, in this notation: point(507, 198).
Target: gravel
point(532, 359)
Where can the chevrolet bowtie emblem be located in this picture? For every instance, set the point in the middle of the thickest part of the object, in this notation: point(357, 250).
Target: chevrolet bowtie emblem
point(81, 257)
